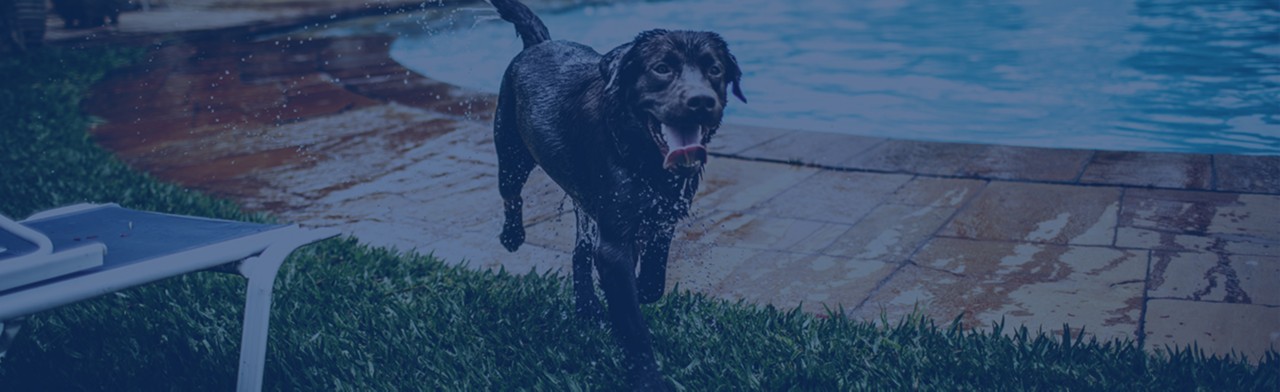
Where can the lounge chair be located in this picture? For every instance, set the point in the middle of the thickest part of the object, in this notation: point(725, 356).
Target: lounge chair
point(71, 254)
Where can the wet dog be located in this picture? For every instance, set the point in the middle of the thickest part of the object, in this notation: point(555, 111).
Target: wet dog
point(625, 136)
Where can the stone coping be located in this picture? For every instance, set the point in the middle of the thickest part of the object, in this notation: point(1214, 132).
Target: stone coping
point(1161, 170)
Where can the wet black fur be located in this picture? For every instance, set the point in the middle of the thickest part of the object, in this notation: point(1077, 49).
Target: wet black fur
point(586, 120)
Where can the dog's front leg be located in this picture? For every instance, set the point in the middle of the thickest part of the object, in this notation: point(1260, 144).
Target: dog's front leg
point(616, 264)
point(653, 264)
point(584, 254)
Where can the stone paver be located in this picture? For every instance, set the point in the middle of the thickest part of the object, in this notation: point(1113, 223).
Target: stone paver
point(1248, 173)
point(912, 215)
point(1219, 329)
point(1200, 221)
point(832, 196)
point(763, 232)
point(988, 161)
point(1215, 278)
point(890, 233)
point(1059, 214)
point(736, 185)
point(938, 192)
point(329, 131)
point(1026, 163)
point(703, 268)
point(787, 280)
point(733, 139)
point(1164, 170)
point(816, 148)
point(924, 158)
point(1040, 285)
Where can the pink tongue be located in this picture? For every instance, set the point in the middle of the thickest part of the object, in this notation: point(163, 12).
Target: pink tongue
point(686, 156)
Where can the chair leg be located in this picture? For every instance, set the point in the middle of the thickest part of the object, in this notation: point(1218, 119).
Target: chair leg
point(261, 273)
point(8, 330)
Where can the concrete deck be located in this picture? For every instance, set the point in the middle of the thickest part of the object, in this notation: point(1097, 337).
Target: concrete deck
point(1164, 249)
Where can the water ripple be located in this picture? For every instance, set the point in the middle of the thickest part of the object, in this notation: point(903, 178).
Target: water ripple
point(1154, 75)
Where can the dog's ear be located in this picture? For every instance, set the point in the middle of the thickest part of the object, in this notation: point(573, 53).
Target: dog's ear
point(623, 57)
point(732, 72)
point(735, 76)
point(611, 65)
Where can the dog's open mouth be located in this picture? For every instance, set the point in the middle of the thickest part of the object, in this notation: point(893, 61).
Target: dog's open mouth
point(681, 145)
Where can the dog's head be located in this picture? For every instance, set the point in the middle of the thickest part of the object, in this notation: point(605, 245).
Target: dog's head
point(675, 83)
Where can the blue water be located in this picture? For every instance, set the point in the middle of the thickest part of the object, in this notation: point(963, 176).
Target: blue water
point(1185, 76)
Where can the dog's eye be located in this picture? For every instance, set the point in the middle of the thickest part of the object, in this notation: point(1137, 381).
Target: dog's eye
point(662, 69)
point(715, 70)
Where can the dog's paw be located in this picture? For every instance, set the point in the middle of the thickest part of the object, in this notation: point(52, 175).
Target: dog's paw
point(512, 237)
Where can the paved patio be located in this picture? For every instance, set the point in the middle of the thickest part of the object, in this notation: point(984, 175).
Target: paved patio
point(1165, 249)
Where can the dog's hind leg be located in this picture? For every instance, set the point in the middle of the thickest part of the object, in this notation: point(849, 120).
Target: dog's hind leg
point(514, 165)
point(584, 253)
point(512, 174)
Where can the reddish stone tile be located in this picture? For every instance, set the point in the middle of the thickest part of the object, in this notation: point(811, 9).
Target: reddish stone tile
point(269, 65)
point(182, 101)
point(374, 74)
point(356, 53)
point(319, 96)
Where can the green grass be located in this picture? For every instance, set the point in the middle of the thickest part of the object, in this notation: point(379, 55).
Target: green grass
point(351, 317)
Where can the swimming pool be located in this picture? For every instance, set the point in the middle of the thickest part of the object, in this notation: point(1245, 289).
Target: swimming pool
point(1146, 75)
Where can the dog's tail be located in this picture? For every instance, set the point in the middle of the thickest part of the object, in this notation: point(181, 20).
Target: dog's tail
point(528, 25)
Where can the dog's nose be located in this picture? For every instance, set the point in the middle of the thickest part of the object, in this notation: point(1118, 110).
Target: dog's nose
point(701, 103)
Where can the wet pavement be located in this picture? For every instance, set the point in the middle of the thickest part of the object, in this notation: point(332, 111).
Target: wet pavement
point(1165, 249)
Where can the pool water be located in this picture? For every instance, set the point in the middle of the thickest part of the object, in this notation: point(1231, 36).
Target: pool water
point(1146, 75)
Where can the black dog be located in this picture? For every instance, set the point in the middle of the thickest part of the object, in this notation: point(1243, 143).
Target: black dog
point(625, 136)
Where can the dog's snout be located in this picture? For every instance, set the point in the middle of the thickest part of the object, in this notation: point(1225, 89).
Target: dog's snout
point(701, 103)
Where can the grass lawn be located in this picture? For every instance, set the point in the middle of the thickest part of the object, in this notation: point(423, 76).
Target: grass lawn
point(351, 317)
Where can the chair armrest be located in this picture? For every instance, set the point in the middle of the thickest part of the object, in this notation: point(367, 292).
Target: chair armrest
point(43, 245)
